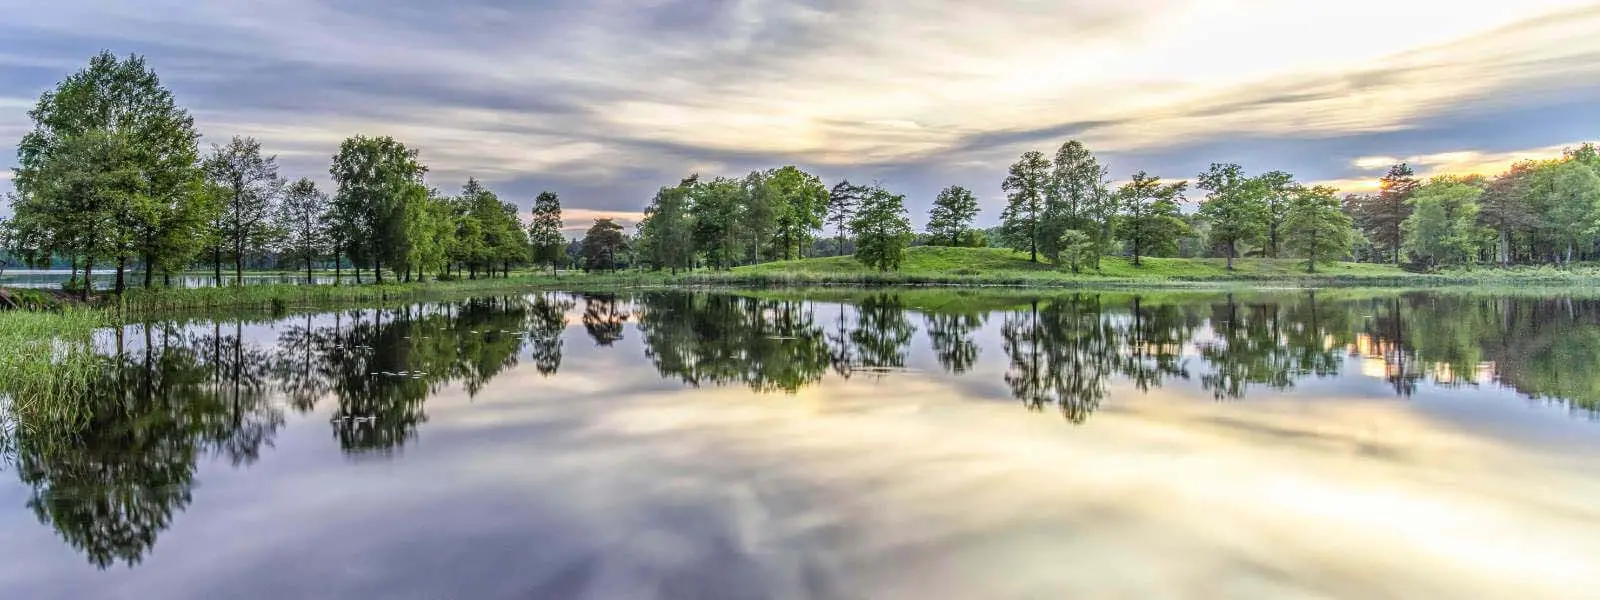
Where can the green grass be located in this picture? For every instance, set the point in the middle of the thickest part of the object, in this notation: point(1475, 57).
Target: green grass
point(926, 265)
point(46, 359)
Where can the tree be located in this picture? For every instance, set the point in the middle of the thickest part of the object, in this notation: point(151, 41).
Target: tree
point(952, 214)
point(757, 215)
point(250, 187)
point(1316, 226)
point(801, 203)
point(1076, 249)
point(374, 176)
point(1503, 208)
point(118, 134)
point(544, 234)
point(1151, 222)
point(302, 217)
point(881, 229)
point(601, 245)
point(1573, 198)
point(667, 231)
point(1279, 193)
point(842, 202)
point(1075, 200)
point(1026, 188)
point(1381, 216)
point(718, 209)
point(1234, 207)
point(1443, 226)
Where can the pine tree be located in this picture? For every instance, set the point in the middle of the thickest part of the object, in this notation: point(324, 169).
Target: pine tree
point(544, 233)
point(1026, 187)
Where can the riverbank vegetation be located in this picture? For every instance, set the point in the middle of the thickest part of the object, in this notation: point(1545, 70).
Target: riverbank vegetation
point(111, 177)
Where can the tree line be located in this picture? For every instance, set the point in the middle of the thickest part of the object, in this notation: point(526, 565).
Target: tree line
point(111, 175)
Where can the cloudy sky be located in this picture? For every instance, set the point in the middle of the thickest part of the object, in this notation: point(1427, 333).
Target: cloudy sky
point(603, 101)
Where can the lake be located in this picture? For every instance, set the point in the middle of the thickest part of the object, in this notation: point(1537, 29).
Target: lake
point(106, 278)
point(831, 444)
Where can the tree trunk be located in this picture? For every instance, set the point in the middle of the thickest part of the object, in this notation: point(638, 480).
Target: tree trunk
point(1231, 252)
point(358, 271)
point(216, 259)
point(1505, 247)
point(377, 271)
point(122, 266)
point(238, 263)
point(88, 277)
point(149, 269)
point(309, 281)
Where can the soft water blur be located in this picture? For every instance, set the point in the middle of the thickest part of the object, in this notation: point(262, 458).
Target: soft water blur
point(860, 445)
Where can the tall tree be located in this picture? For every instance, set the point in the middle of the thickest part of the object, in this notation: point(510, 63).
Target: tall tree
point(801, 203)
point(1076, 200)
point(881, 229)
point(1381, 216)
point(1026, 186)
point(302, 217)
point(1573, 198)
point(758, 213)
point(374, 176)
point(1443, 225)
point(1151, 221)
point(1316, 226)
point(1235, 208)
point(250, 186)
point(667, 230)
point(145, 203)
point(718, 210)
point(1279, 193)
point(544, 234)
point(601, 245)
point(842, 202)
point(952, 215)
point(1504, 207)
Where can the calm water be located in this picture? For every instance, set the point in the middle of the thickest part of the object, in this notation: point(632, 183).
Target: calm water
point(860, 445)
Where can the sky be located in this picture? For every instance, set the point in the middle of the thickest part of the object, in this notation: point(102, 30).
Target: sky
point(605, 101)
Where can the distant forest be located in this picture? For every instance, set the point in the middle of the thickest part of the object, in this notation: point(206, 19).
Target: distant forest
point(111, 177)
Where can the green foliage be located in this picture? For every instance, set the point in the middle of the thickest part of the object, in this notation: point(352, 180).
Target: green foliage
point(302, 217)
point(1079, 199)
point(800, 203)
point(1571, 193)
point(248, 187)
point(1027, 188)
point(1077, 249)
point(881, 229)
point(1279, 192)
point(1151, 222)
point(1317, 227)
point(718, 211)
point(544, 234)
point(667, 232)
point(374, 177)
point(1443, 226)
point(842, 203)
point(602, 245)
point(108, 170)
point(952, 214)
point(1235, 207)
point(1381, 216)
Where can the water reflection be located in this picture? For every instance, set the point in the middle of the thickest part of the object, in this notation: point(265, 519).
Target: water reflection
point(174, 394)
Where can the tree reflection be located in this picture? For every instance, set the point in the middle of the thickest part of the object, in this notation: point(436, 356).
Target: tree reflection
point(950, 334)
point(603, 318)
point(720, 339)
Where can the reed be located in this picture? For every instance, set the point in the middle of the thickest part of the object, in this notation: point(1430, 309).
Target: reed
point(46, 360)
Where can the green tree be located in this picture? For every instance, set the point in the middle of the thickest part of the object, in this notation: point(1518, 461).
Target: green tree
point(302, 216)
point(1573, 194)
point(1151, 221)
point(110, 124)
point(1442, 228)
point(1027, 187)
point(1235, 207)
point(1076, 197)
point(842, 202)
point(881, 229)
point(1381, 216)
point(667, 233)
point(250, 186)
point(718, 209)
point(1077, 249)
point(544, 234)
point(374, 177)
point(801, 203)
point(758, 210)
point(1279, 192)
point(1504, 207)
point(602, 244)
point(1317, 227)
point(952, 214)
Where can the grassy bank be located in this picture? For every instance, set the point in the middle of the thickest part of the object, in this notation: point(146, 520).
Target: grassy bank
point(46, 356)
